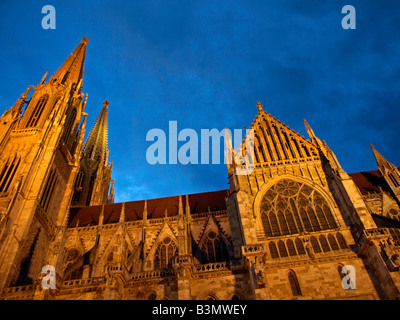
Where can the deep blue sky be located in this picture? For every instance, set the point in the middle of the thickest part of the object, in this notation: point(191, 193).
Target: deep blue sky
point(205, 64)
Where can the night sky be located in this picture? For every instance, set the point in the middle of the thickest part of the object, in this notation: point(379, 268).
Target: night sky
point(205, 64)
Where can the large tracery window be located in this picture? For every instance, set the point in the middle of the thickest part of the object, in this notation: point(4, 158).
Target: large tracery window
point(165, 254)
point(37, 112)
point(290, 207)
point(214, 249)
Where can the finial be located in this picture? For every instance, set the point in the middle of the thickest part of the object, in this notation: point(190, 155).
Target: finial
point(44, 77)
point(106, 103)
point(101, 218)
point(180, 210)
point(372, 146)
point(145, 210)
point(122, 215)
point(309, 129)
point(259, 106)
point(187, 206)
point(85, 40)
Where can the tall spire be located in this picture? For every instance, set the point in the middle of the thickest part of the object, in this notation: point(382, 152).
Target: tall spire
point(389, 172)
point(72, 69)
point(96, 147)
point(383, 164)
point(94, 166)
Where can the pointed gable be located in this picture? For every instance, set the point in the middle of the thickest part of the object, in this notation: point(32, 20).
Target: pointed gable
point(276, 143)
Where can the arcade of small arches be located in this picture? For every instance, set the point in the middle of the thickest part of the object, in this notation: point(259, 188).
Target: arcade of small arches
point(295, 247)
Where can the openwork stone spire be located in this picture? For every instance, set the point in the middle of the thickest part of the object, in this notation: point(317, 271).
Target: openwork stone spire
point(72, 69)
point(96, 146)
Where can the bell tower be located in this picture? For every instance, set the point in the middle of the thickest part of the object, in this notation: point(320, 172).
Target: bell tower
point(40, 148)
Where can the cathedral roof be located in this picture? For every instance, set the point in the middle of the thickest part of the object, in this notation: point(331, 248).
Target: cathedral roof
point(366, 181)
point(156, 208)
point(369, 181)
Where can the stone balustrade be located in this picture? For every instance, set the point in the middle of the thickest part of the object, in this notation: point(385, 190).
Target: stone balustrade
point(84, 282)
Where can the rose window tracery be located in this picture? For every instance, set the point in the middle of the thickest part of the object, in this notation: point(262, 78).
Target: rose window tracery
point(291, 207)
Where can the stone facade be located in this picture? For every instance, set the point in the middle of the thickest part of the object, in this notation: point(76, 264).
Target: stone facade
point(295, 225)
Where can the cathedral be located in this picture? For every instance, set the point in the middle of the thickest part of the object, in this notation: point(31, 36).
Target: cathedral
point(296, 227)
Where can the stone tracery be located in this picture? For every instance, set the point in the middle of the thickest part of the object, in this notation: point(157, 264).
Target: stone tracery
point(291, 207)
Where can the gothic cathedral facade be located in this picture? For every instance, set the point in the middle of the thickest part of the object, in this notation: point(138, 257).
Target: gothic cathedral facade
point(297, 226)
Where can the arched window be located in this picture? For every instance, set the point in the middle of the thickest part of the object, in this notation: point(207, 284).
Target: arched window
point(291, 223)
point(291, 248)
point(266, 224)
point(294, 283)
point(314, 221)
point(80, 180)
point(394, 181)
point(37, 111)
point(324, 243)
point(329, 217)
point(299, 246)
point(8, 173)
point(315, 244)
point(320, 213)
point(48, 189)
point(68, 124)
point(90, 191)
point(213, 248)
point(282, 249)
point(341, 240)
point(305, 219)
point(165, 253)
point(332, 242)
point(274, 224)
point(289, 207)
point(282, 223)
point(273, 250)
